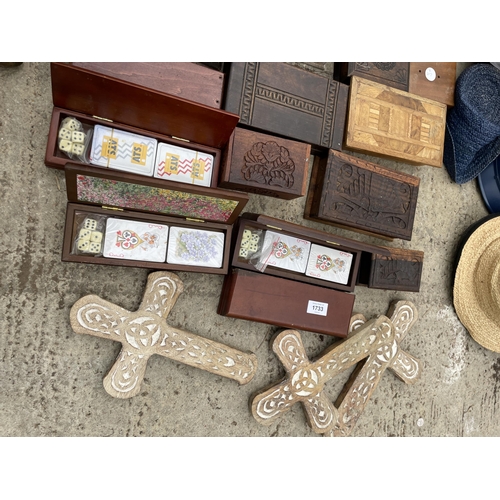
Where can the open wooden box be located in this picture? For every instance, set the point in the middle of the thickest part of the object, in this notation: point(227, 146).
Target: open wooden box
point(94, 98)
point(94, 191)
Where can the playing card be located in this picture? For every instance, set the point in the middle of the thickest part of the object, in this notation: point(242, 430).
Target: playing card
point(121, 150)
point(194, 247)
point(174, 163)
point(125, 239)
point(286, 252)
point(329, 264)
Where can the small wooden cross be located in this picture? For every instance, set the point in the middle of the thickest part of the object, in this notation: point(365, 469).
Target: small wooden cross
point(364, 379)
point(376, 341)
point(146, 332)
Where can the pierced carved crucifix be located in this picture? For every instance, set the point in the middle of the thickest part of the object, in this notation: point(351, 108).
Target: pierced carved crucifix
point(376, 341)
point(146, 332)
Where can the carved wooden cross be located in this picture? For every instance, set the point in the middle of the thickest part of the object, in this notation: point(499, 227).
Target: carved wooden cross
point(145, 332)
point(377, 341)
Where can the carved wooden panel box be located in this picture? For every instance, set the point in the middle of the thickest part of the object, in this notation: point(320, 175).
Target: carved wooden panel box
point(290, 304)
point(392, 123)
point(288, 101)
point(433, 80)
point(400, 270)
point(265, 164)
point(355, 194)
point(182, 79)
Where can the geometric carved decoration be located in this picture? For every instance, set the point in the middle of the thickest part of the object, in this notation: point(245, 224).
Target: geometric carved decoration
point(376, 342)
point(145, 332)
point(390, 122)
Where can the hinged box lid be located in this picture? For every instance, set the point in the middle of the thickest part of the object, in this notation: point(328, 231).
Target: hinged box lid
point(113, 189)
point(95, 94)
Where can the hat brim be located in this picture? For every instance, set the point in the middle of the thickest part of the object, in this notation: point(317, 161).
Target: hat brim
point(489, 184)
point(482, 325)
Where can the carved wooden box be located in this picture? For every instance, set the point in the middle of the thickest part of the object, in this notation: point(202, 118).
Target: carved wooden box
point(281, 302)
point(182, 79)
point(265, 164)
point(392, 123)
point(284, 100)
point(102, 194)
point(355, 194)
point(433, 80)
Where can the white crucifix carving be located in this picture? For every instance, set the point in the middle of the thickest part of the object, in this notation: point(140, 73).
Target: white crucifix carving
point(146, 332)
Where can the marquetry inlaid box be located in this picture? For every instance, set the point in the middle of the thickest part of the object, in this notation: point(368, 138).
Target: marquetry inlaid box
point(265, 164)
point(285, 100)
point(433, 80)
point(388, 122)
point(355, 194)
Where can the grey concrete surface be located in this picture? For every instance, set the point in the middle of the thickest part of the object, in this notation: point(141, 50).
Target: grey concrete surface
point(52, 378)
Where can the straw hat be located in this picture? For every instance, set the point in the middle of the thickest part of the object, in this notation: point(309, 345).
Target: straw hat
point(472, 138)
point(476, 291)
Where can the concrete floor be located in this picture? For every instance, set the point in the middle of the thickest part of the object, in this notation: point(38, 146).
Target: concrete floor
point(52, 378)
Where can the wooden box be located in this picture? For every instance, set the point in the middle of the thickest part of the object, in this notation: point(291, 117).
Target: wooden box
point(392, 123)
point(433, 80)
point(290, 304)
point(94, 98)
point(284, 100)
point(366, 267)
point(182, 79)
point(94, 191)
point(355, 194)
point(265, 164)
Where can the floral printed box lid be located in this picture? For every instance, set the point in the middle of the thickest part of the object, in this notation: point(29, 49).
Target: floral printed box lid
point(92, 185)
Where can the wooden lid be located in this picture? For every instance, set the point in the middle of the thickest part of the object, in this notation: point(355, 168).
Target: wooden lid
point(95, 94)
point(114, 189)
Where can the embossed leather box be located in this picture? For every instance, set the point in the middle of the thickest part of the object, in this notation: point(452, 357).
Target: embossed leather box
point(392, 123)
point(352, 193)
point(265, 164)
point(99, 194)
point(285, 100)
point(183, 79)
point(433, 80)
point(290, 304)
point(372, 258)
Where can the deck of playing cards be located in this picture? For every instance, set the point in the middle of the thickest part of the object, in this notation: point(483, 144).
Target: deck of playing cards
point(286, 252)
point(174, 163)
point(121, 150)
point(194, 247)
point(329, 264)
point(125, 239)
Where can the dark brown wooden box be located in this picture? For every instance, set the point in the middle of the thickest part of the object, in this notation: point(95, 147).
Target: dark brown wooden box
point(371, 264)
point(277, 301)
point(265, 164)
point(433, 80)
point(388, 122)
point(93, 190)
point(355, 194)
point(183, 79)
point(285, 100)
point(94, 98)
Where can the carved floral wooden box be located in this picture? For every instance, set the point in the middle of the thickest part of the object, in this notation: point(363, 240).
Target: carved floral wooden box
point(355, 194)
point(433, 80)
point(265, 164)
point(285, 100)
point(274, 247)
point(392, 123)
point(122, 219)
point(94, 98)
point(290, 304)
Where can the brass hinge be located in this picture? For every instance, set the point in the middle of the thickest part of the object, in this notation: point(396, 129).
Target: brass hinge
point(112, 208)
point(333, 243)
point(180, 139)
point(194, 220)
point(274, 227)
point(103, 119)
